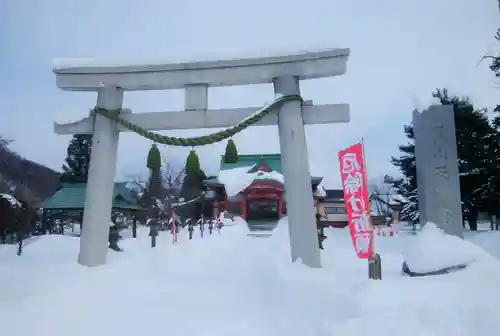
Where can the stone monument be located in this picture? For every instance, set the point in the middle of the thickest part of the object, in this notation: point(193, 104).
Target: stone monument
point(437, 168)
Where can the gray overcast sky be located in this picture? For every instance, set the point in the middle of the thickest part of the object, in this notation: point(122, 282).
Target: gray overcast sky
point(400, 52)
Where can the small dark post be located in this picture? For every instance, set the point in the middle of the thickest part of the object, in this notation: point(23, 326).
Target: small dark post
point(216, 216)
point(50, 224)
point(23, 221)
point(114, 237)
point(375, 267)
point(190, 229)
point(81, 221)
point(321, 231)
point(202, 218)
point(153, 231)
point(202, 227)
point(210, 226)
point(61, 227)
point(19, 245)
point(43, 228)
point(134, 224)
point(218, 225)
point(494, 222)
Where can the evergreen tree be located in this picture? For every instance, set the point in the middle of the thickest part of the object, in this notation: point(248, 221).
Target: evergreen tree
point(494, 180)
point(231, 155)
point(76, 166)
point(406, 185)
point(192, 167)
point(154, 158)
point(192, 186)
point(495, 67)
point(474, 135)
point(154, 191)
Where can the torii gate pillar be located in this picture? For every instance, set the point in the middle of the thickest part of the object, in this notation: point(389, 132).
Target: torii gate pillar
point(295, 168)
point(195, 78)
point(100, 184)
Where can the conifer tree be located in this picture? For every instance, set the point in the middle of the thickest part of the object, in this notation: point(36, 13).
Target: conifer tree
point(231, 155)
point(154, 158)
point(77, 162)
point(154, 191)
point(192, 185)
point(192, 164)
point(494, 182)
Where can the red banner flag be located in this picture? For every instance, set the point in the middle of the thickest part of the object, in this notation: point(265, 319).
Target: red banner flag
point(353, 177)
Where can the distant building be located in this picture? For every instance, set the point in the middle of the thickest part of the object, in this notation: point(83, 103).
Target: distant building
point(332, 208)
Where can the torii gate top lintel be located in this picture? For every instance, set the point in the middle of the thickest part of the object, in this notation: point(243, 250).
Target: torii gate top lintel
point(89, 75)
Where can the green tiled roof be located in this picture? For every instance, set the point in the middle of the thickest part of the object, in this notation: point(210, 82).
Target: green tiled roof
point(272, 160)
point(72, 196)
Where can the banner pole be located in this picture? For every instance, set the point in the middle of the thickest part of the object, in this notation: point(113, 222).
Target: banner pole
point(372, 240)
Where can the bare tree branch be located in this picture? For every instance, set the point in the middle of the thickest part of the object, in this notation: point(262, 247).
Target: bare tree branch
point(380, 195)
point(4, 142)
point(172, 180)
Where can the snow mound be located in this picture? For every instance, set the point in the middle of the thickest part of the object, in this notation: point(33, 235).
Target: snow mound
point(47, 246)
point(281, 230)
point(489, 241)
point(433, 250)
point(237, 226)
point(227, 220)
point(399, 226)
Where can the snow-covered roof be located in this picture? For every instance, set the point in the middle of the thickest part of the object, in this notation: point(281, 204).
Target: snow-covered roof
point(396, 199)
point(238, 179)
point(320, 190)
point(159, 204)
point(12, 200)
point(72, 196)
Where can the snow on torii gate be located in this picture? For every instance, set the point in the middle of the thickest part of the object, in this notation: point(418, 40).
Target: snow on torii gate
point(110, 82)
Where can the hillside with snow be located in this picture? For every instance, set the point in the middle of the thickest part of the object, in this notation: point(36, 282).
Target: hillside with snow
point(232, 284)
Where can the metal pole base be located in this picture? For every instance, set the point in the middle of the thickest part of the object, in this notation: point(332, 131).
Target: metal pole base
point(375, 267)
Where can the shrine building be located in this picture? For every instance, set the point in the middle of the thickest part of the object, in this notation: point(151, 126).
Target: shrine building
point(253, 187)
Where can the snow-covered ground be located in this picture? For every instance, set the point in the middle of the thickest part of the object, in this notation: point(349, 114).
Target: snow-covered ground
point(233, 284)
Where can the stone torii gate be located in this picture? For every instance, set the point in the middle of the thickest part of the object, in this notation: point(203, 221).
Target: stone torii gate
point(110, 83)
